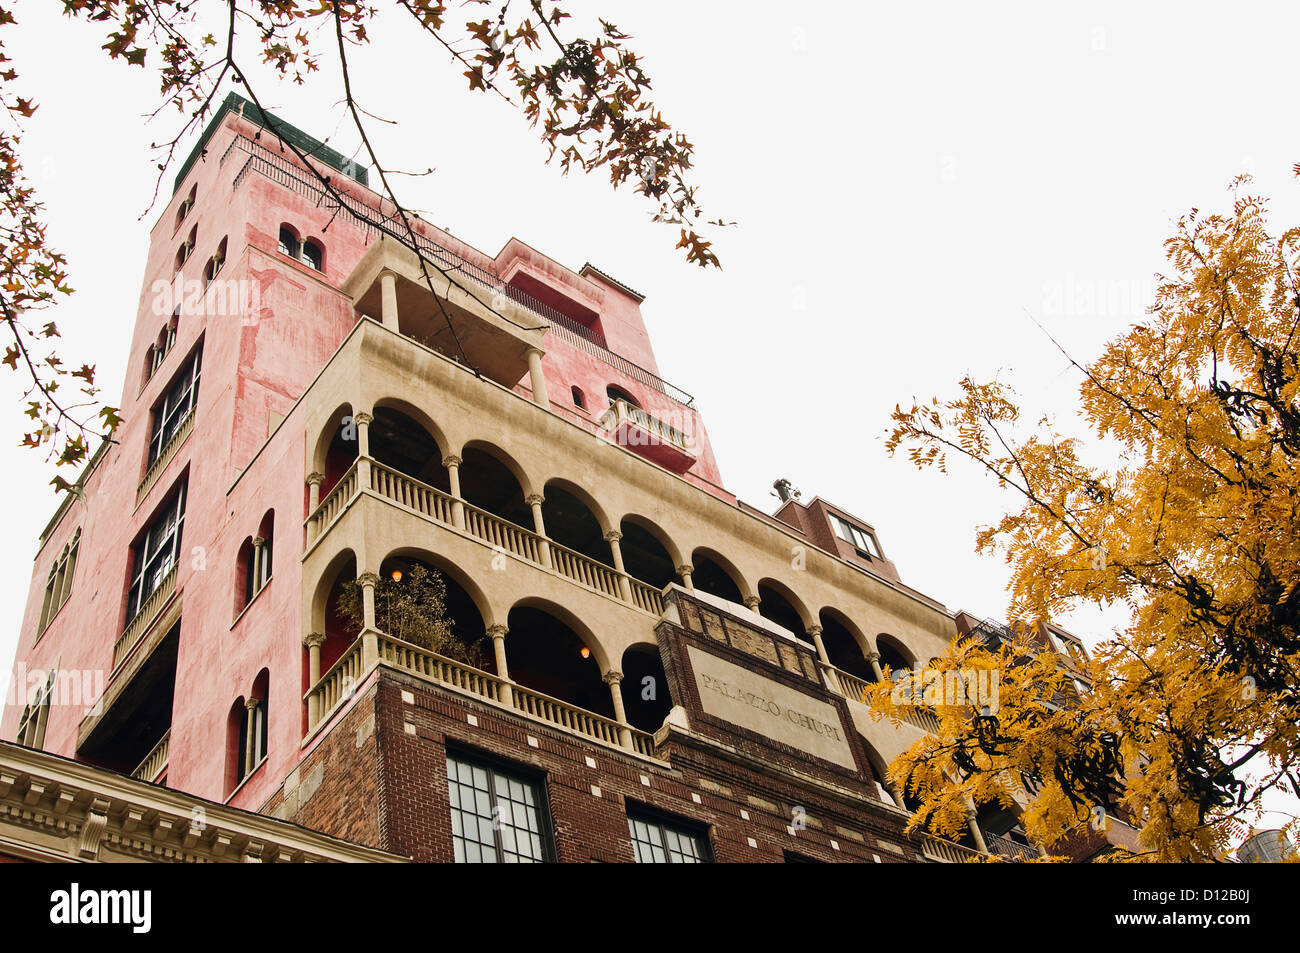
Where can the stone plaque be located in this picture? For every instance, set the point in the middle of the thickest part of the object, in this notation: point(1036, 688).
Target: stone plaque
point(776, 711)
point(753, 643)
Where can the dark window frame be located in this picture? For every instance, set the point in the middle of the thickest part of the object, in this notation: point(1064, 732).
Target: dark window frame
point(510, 771)
point(157, 551)
point(664, 824)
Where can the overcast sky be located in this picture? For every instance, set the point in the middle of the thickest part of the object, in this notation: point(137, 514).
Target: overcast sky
point(909, 180)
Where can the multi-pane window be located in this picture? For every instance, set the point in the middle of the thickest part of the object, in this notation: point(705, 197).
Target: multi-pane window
point(35, 716)
point(176, 406)
point(156, 553)
point(855, 536)
point(306, 251)
point(496, 817)
point(59, 585)
point(663, 842)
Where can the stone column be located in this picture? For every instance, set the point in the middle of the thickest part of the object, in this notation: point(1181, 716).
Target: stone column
point(815, 631)
point(614, 680)
point(535, 500)
point(498, 636)
point(314, 480)
point(313, 641)
point(616, 551)
point(388, 299)
point(873, 658)
point(452, 463)
point(369, 630)
point(258, 543)
point(751, 603)
point(536, 379)
point(363, 421)
point(685, 572)
point(250, 735)
point(972, 822)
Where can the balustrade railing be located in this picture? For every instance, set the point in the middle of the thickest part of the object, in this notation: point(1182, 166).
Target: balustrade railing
point(164, 457)
point(487, 527)
point(946, 852)
point(155, 761)
point(338, 683)
point(328, 510)
point(144, 617)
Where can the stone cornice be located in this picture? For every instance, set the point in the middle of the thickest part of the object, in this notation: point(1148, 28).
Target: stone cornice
point(54, 808)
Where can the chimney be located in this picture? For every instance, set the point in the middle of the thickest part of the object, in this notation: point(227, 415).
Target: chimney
point(786, 490)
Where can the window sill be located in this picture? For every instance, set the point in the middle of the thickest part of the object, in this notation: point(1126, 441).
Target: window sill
point(247, 778)
point(251, 602)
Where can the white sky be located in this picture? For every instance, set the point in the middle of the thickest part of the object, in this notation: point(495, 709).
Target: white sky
point(917, 174)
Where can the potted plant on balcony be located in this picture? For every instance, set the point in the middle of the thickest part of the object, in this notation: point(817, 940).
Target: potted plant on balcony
point(411, 605)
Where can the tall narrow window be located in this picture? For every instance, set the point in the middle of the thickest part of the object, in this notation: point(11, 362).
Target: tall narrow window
point(289, 244)
point(578, 400)
point(36, 715)
point(215, 262)
point(175, 406)
point(495, 817)
point(186, 205)
point(313, 256)
point(658, 841)
point(187, 248)
point(156, 554)
point(59, 584)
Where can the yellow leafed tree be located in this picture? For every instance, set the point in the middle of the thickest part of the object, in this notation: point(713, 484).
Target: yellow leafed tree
point(1192, 715)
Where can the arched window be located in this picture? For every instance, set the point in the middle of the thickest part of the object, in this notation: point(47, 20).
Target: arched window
point(186, 205)
point(246, 732)
point(313, 256)
point(255, 560)
point(60, 581)
point(35, 716)
point(289, 243)
point(187, 248)
point(614, 392)
point(578, 400)
point(213, 267)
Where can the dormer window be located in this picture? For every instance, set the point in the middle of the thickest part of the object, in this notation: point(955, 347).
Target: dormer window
point(857, 537)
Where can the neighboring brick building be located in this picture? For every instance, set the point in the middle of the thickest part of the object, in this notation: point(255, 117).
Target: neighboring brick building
point(666, 673)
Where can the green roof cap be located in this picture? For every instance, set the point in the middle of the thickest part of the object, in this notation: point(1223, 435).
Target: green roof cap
point(308, 144)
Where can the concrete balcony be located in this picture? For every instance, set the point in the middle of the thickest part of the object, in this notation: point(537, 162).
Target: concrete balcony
point(649, 436)
point(372, 649)
point(493, 332)
point(370, 479)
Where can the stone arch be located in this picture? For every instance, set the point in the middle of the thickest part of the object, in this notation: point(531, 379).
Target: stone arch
point(893, 652)
point(655, 532)
point(727, 568)
point(327, 439)
point(453, 572)
point(769, 588)
point(847, 646)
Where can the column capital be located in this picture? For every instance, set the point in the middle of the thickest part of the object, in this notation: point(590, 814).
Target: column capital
point(313, 640)
point(362, 419)
point(612, 677)
point(813, 631)
point(613, 535)
point(751, 603)
point(497, 631)
point(872, 656)
point(368, 580)
point(534, 499)
point(258, 542)
point(534, 349)
point(451, 460)
point(315, 478)
point(251, 703)
point(685, 569)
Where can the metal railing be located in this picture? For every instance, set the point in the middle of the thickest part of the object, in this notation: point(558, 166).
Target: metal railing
point(266, 163)
point(1008, 848)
